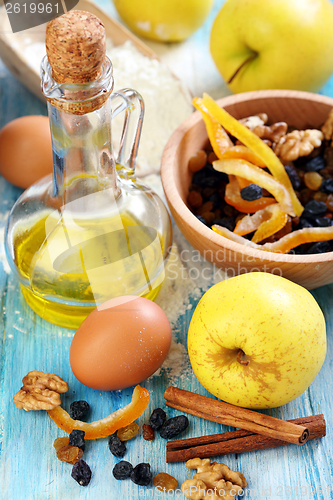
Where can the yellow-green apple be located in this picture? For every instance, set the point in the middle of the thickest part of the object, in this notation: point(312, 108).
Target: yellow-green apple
point(164, 20)
point(274, 44)
point(257, 340)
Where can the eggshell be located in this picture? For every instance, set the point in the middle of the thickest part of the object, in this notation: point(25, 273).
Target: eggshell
point(120, 344)
point(26, 150)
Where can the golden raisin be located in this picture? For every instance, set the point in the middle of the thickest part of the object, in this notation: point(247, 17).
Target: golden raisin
point(69, 454)
point(313, 180)
point(208, 216)
point(212, 157)
point(194, 199)
point(164, 482)
point(206, 207)
point(128, 432)
point(197, 161)
point(320, 196)
point(148, 432)
point(61, 442)
point(329, 202)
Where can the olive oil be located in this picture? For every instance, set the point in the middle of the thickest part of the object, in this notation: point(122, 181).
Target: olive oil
point(68, 269)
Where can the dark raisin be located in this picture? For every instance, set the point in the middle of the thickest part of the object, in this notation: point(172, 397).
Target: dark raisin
point(76, 438)
point(81, 473)
point(314, 209)
point(251, 193)
point(174, 426)
point(215, 198)
point(229, 223)
point(303, 223)
point(79, 410)
point(122, 470)
point(157, 419)
point(320, 247)
point(201, 219)
point(293, 176)
point(327, 186)
point(322, 221)
point(315, 164)
point(141, 474)
point(117, 447)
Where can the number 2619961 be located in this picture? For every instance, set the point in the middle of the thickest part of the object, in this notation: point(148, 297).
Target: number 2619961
point(32, 8)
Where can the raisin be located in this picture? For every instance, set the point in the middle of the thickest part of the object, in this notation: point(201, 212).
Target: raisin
point(206, 207)
point(76, 438)
point(251, 193)
point(69, 454)
point(315, 164)
point(322, 221)
point(164, 482)
point(174, 426)
point(197, 161)
point(141, 474)
point(313, 180)
point(215, 198)
point(122, 470)
point(201, 219)
point(293, 176)
point(128, 432)
point(229, 223)
point(212, 157)
point(313, 209)
point(320, 247)
point(148, 433)
point(81, 473)
point(157, 419)
point(79, 410)
point(117, 447)
point(329, 202)
point(320, 196)
point(194, 199)
point(327, 186)
point(61, 442)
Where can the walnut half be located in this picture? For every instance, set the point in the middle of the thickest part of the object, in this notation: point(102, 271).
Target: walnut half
point(212, 480)
point(327, 128)
point(298, 143)
point(40, 391)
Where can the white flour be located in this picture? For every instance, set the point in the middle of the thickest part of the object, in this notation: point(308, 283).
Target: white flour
point(167, 102)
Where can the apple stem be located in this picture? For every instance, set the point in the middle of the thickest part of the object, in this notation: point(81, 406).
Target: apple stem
point(252, 56)
point(241, 358)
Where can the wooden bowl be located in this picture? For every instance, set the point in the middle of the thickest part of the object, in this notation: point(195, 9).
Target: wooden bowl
point(301, 109)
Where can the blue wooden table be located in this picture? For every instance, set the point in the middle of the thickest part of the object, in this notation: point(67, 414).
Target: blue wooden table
point(29, 467)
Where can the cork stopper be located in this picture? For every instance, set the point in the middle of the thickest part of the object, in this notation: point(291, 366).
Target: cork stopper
point(75, 47)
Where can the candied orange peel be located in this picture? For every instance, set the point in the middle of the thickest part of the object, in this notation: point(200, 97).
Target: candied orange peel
point(108, 425)
point(244, 169)
point(284, 244)
point(252, 141)
point(219, 139)
point(265, 222)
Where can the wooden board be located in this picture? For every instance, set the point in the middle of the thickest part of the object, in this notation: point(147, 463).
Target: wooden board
point(13, 45)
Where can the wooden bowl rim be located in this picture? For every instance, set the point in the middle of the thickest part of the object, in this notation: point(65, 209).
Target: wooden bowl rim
point(174, 199)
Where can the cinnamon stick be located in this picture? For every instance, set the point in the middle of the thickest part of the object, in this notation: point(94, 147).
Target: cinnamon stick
point(236, 441)
point(234, 416)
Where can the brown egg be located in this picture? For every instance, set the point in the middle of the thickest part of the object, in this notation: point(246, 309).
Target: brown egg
point(120, 344)
point(26, 150)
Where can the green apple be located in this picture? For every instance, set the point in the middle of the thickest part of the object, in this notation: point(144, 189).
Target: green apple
point(164, 20)
point(274, 44)
point(257, 340)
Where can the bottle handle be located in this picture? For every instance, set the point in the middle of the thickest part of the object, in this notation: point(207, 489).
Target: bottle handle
point(130, 101)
